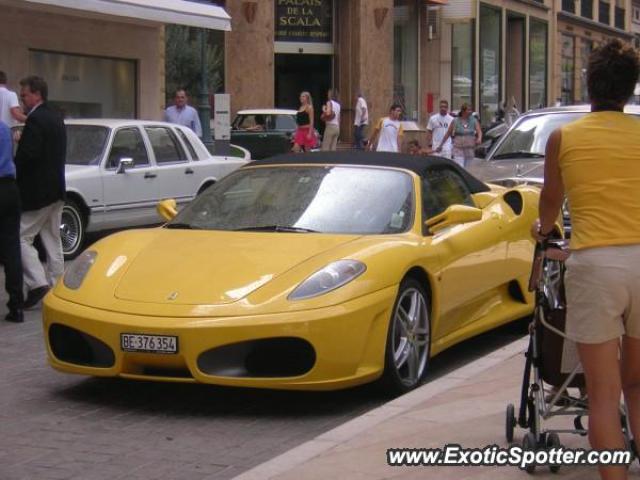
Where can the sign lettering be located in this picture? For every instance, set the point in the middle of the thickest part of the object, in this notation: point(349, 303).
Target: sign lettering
point(304, 21)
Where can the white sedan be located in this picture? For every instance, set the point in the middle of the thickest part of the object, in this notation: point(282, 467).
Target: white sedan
point(118, 170)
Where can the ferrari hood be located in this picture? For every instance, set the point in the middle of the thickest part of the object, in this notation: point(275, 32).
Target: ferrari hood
point(205, 268)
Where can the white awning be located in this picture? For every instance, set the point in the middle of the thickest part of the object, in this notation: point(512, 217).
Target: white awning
point(181, 12)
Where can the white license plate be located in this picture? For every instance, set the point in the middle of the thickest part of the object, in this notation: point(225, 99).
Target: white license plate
point(134, 342)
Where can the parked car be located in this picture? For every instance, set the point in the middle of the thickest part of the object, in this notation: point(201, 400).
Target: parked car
point(345, 269)
point(117, 171)
point(264, 132)
point(518, 155)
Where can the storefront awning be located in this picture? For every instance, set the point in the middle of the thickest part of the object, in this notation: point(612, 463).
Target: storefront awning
point(181, 12)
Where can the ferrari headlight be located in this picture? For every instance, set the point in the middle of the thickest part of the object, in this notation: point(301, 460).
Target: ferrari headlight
point(75, 273)
point(333, 276)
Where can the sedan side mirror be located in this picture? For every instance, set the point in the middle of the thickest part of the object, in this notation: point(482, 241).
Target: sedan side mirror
point(454, 215)
point(167, 209)
point(123, 164)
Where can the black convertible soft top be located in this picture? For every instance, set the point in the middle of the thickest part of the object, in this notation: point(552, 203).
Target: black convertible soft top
point(416, 163)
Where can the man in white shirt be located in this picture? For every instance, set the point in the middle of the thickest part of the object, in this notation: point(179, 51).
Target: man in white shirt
point(183, 114)
point(360, 122)
point(331, 118)
point(387, 136)
point(437, 129)
point(10, 111)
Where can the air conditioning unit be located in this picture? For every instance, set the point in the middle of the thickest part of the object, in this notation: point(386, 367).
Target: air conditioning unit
point(433, 22)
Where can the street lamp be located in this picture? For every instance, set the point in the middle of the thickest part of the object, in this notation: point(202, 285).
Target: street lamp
point(204, 109)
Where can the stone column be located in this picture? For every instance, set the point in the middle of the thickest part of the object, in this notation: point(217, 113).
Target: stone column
point(364, 58)
point(249, 54)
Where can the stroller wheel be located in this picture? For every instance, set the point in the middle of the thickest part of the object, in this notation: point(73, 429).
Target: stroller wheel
point(510, 422)
point(529, 444)
point(553, 441)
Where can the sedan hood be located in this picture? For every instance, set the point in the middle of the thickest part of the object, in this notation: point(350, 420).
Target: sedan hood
point(73, 171)
point(205, 268)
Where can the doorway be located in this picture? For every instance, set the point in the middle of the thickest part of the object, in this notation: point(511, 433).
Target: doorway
point(296, 73)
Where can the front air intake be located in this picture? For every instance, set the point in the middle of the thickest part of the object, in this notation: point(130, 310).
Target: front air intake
point(73, 346)
point(267, 357)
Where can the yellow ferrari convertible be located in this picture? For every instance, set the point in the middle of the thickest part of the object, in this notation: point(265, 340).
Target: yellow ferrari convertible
point(317, 271)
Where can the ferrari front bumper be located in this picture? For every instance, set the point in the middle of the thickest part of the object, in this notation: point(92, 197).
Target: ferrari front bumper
point(347, 342)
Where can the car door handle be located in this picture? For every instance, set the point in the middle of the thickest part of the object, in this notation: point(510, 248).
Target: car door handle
point(188, 171)
point(150, 175)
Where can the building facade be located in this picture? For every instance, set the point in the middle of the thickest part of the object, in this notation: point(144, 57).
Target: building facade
point(581, 25)
point(105, 59)
point(411, 52)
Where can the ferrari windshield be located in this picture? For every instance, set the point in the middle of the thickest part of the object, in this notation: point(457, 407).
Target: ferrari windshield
point(528, 137)
point(305, 199)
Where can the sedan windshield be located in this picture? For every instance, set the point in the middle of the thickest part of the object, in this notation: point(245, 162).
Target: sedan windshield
point(85, 144)
point(301, 199)
point(528, 137)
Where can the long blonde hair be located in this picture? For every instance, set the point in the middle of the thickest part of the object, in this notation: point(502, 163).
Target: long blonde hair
point(309, 99)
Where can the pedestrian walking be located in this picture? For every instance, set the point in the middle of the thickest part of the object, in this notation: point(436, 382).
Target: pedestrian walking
point(360, 122)
point(10, 111)
point(39, 164)
point(183, 114)
point(304, 138)
point(387, 135)
point(594, 161)
point(466, 133)
point(437, 128)
point(331, 118)
point(10, 227)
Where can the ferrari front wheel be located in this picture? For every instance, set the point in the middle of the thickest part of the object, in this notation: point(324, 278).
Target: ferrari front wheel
point(408, 339)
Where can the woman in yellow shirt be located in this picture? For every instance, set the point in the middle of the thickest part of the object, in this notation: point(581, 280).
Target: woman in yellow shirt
point(596, 161)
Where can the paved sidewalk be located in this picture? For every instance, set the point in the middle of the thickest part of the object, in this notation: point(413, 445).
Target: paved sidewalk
point(466, 407)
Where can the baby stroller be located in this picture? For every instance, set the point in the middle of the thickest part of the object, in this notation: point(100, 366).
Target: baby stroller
point(551, 367)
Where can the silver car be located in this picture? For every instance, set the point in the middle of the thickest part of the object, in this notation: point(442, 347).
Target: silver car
point(118, 170)
point(518, 156)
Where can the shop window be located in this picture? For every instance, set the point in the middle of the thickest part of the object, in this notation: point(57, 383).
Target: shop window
point(603, 13)
point(635, 14)
point(87, 87)
point(619, 14)
point(461, 64)
point(490, 60)
point(569, 6)
point(568, 69)
point(587, 48)
point(405, 56)
point(586, 8)
point(537, 64)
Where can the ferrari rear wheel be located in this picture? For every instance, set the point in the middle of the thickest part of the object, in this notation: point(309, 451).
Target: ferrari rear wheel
point(408, 339)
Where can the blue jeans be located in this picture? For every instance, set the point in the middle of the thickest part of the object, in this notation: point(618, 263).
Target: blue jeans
point(358, 137)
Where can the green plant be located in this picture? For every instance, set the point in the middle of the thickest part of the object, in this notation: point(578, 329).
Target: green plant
point(183, 63)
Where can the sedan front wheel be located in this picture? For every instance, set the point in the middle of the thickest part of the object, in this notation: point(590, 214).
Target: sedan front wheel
point(72, 229)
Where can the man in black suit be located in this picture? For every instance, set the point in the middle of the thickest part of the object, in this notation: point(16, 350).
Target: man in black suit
point(39, 163)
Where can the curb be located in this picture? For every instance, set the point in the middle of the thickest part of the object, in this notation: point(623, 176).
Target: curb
point(357, 426)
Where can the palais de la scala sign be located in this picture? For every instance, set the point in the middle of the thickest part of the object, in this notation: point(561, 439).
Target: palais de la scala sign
point(304, 21)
